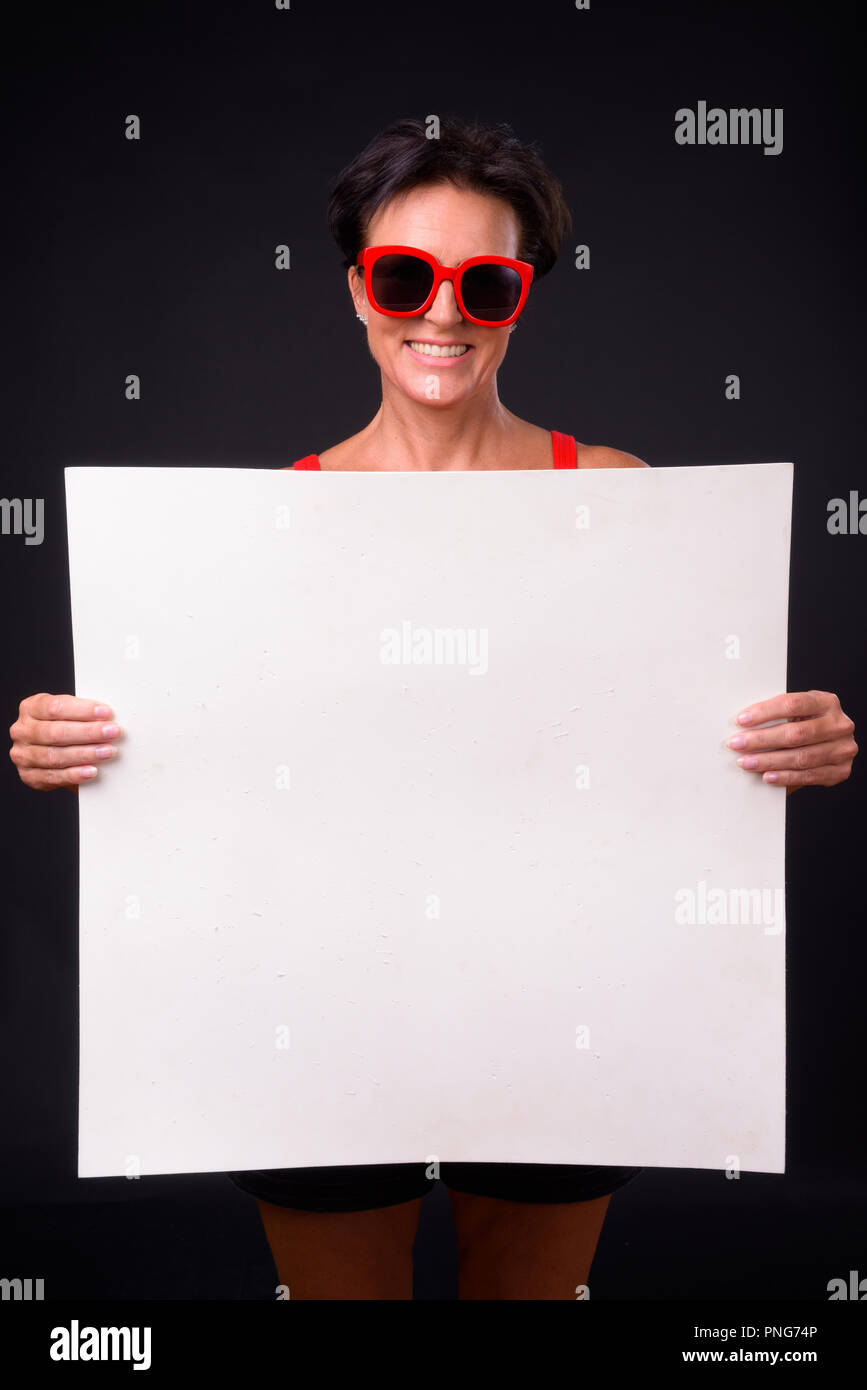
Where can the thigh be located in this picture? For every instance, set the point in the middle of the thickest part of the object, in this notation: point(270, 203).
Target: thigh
point(340, 1233)
point(525, 1250)
point(343, 1255)
point(528, 1230)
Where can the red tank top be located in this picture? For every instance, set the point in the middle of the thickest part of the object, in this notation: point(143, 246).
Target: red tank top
point(563, 445)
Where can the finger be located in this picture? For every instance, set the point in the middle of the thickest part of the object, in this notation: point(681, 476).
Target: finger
point(797, 759)
point(41, 779)
point(826, 776)
point(34, 755)
point(45, 706)
point(805, 731)
point(62, 731)
point(792, 704)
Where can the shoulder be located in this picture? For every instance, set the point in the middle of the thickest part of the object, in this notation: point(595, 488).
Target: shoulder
point(600, 456)
point(349, 456)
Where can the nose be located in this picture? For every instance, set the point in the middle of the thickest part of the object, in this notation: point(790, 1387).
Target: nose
point(444, 309)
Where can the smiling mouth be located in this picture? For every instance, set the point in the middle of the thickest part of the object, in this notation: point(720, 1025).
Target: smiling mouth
point(438, 349)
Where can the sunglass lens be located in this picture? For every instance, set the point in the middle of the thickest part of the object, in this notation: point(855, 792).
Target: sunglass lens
point(401, 283)
point(491, 292)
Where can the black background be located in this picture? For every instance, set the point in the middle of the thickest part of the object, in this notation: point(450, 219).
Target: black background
point(157, 258)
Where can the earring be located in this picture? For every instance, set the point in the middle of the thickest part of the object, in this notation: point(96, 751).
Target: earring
point(513, 327)
point(363, 317)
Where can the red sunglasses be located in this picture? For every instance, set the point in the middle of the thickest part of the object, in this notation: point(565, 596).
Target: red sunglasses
point(402, 281)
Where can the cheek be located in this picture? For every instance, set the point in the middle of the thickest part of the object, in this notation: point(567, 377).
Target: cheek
point(385, 340)
point(492, 349)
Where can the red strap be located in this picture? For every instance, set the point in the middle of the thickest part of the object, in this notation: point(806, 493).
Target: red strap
point(565, 450)
point(565, 454)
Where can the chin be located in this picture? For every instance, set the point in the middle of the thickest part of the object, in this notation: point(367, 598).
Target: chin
point(446, 397)
point(414, 385)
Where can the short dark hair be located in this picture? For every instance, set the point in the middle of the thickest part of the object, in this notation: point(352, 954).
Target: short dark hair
point(485, 158)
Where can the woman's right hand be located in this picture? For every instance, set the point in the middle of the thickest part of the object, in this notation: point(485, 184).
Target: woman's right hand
point(59, 740)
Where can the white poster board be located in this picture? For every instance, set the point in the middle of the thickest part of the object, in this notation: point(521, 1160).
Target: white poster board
point(491, 888)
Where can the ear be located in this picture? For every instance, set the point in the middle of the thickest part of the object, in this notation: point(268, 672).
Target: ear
point(355, 281)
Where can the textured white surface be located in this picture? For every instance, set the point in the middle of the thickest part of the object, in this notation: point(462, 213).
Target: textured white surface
point(219, 906)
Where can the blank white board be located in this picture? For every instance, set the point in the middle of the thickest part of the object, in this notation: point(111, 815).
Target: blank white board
point(424, 839)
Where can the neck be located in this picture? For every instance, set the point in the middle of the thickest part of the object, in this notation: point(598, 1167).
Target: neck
point(416, 437)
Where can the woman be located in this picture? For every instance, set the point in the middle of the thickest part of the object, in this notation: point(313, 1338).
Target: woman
point(441, 240)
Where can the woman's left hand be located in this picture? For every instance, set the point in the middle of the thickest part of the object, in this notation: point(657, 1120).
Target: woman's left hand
point(814, 748)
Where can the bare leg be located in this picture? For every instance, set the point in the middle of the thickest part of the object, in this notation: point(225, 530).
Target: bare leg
point(343, 1255)
point(524, 1250)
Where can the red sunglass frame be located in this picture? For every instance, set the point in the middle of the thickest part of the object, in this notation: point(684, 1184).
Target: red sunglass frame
point(371, 254)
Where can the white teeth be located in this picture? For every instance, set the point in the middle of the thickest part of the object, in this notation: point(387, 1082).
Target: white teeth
point(434, 349)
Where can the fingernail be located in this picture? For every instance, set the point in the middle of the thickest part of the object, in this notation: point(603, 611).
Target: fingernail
point(105, 751)
point(101, 712)
point(748, 762)
point(110, 730)
point(746, 717)
point(89, 771)
point(737, 742)
point(771, 777)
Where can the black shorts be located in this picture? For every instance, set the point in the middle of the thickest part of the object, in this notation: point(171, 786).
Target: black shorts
point(363, 1187)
